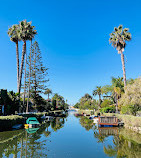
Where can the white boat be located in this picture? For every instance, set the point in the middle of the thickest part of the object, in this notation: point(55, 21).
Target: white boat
point(95, 120)
point(47, 118)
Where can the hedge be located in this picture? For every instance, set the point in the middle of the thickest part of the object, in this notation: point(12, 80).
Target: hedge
point(129, 120)
point(6, 122)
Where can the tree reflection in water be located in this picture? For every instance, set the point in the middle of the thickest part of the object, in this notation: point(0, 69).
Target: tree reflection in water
point(25, 143)
point(86, 123)
point(125, 143)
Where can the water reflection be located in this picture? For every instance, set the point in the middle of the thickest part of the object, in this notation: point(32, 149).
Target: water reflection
point(86, 123)
point(28, 143)
point(124, 143)
point(78, 137)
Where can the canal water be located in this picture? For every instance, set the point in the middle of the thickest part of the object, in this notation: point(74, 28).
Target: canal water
point(70, 137)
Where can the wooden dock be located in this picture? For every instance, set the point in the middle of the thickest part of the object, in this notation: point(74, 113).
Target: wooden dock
point(108, 120)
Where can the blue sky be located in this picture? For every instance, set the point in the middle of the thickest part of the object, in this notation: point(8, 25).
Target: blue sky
point(73, 37)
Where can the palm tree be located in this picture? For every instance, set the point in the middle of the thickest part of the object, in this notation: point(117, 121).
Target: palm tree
point(118, 89)
point(98, 91)
point(48, 92)
point(25, 35)
point(118, 39)
point(14, 35)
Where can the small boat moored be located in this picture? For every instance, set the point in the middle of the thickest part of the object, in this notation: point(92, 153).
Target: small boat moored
point(47, 118)
point(31, 122)
point(18, 126)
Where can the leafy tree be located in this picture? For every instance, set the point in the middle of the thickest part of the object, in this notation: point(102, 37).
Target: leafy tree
point(76, 105)
point(86, 102)
point(106, 103)
point(130, 101)
point(59, 99)
point(118, 39)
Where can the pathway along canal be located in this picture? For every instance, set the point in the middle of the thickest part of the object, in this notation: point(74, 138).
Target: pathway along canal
point(70, 137)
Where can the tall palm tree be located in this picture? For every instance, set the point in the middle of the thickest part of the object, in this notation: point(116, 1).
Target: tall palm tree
point(118, 39)
point(98, 91)
point(48, 92)
point(25, 35)
point(14, 35)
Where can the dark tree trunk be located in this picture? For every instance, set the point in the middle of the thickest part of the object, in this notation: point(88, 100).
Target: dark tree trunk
point(25, 79)
point(22, 64)
point(123, 68)
point(100, 101)
point(17, 56)
point(21, 72)
point(29, 79)
point(116, 100)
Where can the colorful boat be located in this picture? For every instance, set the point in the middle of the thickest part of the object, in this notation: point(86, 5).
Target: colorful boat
point(32, 122)
point(31, 130)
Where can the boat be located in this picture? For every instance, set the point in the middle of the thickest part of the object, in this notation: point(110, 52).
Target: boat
point(18, 126)
point(32, 122)
point(47, 118)
point(79, 114)
point(31, 130)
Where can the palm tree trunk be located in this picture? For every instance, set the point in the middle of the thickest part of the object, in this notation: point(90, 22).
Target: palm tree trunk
point(48, 96)
point(22, 64)
point(100, 101)
point(29, 79)
point(25, 79)
point(21, 72)
point(17, 56)
point(116, 99)
point(123, 67)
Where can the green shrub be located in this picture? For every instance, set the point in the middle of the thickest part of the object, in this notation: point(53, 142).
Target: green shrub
point(130, 101)
point(111, 109)
point(106, 103)
point(130, 109)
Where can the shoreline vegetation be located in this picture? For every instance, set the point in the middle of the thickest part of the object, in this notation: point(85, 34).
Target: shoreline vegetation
point(6, 122)
point(130, 122)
